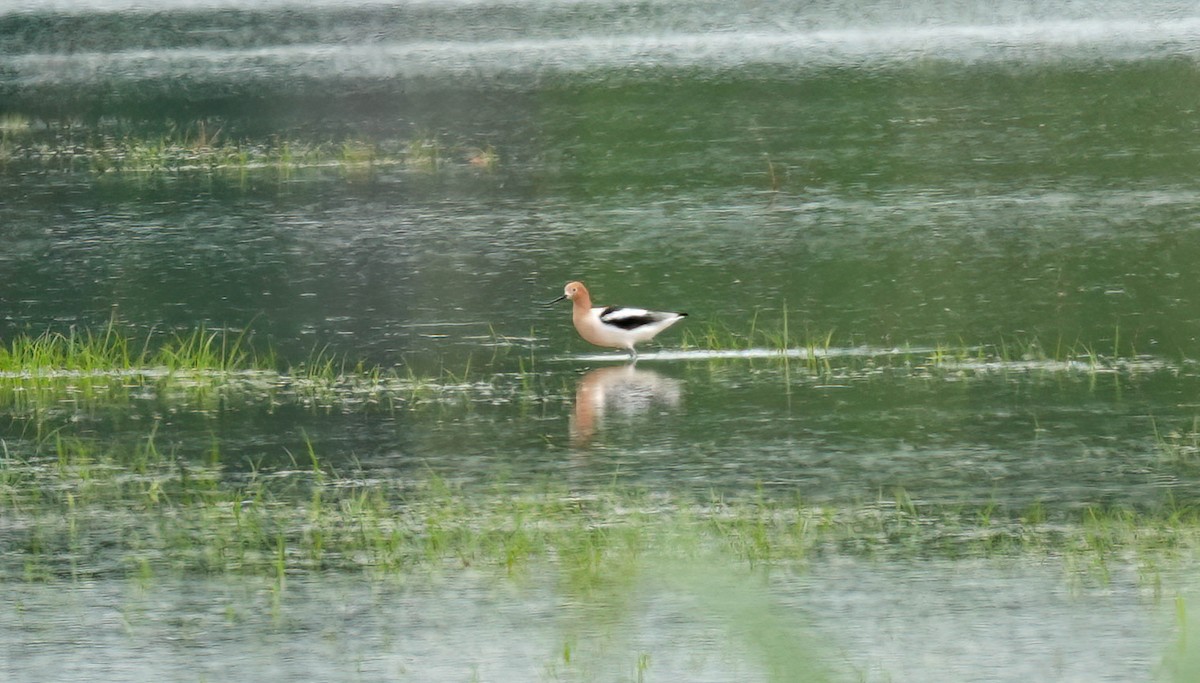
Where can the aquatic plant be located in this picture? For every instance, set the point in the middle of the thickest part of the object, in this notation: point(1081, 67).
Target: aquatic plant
point(358, 153)
point(1182, 663)
point(14, 124)
point(424, 153)
point(143, 149)
point(52, 378)
point(113, 349)
point(80, 506)
point(11, 126)
point(720, 335)
point(824, 352)
point(1180, 445)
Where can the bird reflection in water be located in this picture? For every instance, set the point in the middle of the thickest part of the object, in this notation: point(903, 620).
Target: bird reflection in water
point(619, 390)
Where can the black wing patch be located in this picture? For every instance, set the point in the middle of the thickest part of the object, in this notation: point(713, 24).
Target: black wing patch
point(628, 319)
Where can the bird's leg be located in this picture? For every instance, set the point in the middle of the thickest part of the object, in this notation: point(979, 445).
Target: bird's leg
point(632, 355)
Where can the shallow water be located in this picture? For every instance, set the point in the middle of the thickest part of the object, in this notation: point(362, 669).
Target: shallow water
point(976, 225)
point(981, 620)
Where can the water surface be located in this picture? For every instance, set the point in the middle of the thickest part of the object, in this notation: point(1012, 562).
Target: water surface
point(982, 216)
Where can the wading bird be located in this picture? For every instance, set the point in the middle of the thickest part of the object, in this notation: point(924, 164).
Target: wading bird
point(614, 326)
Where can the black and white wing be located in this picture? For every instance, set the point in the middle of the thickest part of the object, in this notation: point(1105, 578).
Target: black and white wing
point(633, 318)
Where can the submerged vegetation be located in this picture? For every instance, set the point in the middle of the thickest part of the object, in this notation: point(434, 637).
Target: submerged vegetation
point(824, 351)
point(74, 507)
point(52, 375)
point(117, 349)
point(49, 372)
point(75, 504)
point(117, 147)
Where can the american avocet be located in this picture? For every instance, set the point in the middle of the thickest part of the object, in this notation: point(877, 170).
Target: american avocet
point(614, 326)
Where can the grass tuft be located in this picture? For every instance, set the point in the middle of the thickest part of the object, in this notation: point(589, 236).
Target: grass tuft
point(114, 350)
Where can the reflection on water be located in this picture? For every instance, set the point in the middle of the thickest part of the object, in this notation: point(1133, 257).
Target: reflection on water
point(633, 394)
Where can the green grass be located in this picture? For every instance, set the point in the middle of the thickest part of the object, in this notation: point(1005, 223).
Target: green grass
point(115, 350)
point(779, 337)
point(118, 350)
point(78, 509)
point(51, 378)
point(75, 506)
point(110, 504)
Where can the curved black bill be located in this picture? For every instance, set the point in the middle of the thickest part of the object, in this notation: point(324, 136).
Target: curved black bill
point(551, 303)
